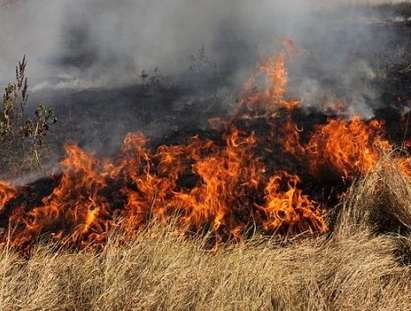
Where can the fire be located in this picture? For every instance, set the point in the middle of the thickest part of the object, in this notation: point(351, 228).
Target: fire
point(290, 139)
point(74, 209)
point(404, 166)
point(350, 148)
point(229, 185)
point(290, 209)
point(227, 178)
point(272, 96)
point(254, 176)
point(277, 77)
point(7, 192)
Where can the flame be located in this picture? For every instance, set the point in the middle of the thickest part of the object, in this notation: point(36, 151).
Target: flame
point(350, 148)
point(277, 77)
point(227, 179)
point(290, 139)
point(7, 192)
point(290, 209)
point(74, 210)
point(404, 166)
point(271, 96)
point(229, 182)
point(254, 175)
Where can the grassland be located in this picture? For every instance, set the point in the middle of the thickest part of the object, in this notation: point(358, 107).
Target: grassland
point(363, 264)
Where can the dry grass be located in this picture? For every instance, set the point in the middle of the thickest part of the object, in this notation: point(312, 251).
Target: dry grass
point(364, 264)
point(359, 272)
point(380, 202)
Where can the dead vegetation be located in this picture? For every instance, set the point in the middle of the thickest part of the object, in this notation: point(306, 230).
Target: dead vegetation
point(385, 200)
point(363, 264)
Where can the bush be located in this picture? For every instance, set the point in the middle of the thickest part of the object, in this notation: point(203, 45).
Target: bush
point(22, 138)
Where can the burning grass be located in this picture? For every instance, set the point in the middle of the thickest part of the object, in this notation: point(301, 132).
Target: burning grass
point(362, 265)
point(267, 211)
point(263, 171)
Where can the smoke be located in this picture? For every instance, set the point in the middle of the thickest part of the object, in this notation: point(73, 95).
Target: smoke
point(105, 43)
point(106, 40)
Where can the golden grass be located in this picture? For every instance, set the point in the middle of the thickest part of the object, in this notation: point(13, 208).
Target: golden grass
point(363, 265)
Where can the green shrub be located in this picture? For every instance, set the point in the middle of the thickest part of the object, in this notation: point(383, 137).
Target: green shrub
point(22, 137)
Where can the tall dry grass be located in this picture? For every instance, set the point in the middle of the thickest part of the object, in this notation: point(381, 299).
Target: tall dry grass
point(364, 264)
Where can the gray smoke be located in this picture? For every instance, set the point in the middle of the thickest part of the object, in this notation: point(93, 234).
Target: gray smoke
point(106, 43)
point(105, 39)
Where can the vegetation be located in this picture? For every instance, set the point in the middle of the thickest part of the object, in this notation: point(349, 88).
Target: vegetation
point(364, 264)
point(22, 137)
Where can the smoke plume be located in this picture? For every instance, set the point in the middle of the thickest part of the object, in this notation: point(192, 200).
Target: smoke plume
point(104, 43)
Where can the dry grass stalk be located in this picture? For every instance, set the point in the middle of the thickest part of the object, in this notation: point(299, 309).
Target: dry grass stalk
point(363, 265)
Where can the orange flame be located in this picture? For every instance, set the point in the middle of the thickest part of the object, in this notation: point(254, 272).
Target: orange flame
point(73, 210)
point(405, 167)
point(228, 183)
point(350, 148)
point(290, 209)
point(7, 192)
point(272, 95)
point(223, 187)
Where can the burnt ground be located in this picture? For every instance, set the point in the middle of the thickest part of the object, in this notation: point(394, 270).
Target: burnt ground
point(171, 109)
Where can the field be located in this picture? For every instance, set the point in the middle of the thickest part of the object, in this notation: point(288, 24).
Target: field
point(287, 191)
point(363, 265)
